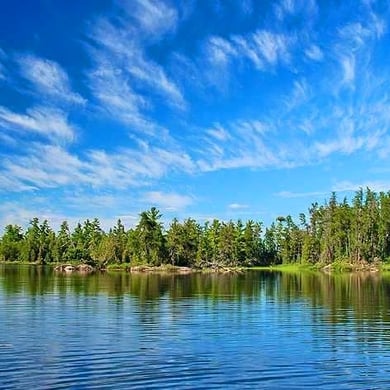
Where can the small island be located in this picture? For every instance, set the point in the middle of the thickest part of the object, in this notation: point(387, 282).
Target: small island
point(349, 236)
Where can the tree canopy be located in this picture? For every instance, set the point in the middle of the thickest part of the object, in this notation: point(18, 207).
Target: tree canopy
point(356, 231)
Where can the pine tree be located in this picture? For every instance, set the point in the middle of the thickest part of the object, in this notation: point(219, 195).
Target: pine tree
point(11, 243)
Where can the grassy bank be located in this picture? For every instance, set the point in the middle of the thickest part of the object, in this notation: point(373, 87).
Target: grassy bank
point(285, 268)
point(335, 267)
point(385, 267)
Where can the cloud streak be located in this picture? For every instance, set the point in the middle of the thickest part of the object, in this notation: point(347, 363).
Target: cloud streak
point(116, 97)
point(291, 195)
point(374, 185)
point(263, 49)
point(153, 17)
point(240, 144)
point(48, 166)
point(169, 201)
point(48, 78)
point(237, 206)
point(126, 82)
point(50, 123)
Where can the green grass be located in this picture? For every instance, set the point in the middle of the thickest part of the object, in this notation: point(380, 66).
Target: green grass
point(284, 267)
point(118, 267)
point(20, 262)
point(385, 267)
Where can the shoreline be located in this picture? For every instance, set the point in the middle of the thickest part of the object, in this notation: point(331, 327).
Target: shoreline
point(334, 268)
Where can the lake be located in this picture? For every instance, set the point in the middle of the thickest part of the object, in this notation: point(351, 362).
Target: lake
point(267, 330)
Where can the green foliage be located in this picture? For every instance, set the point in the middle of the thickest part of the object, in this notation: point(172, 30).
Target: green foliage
point(338, 233)
point(183, 242)
point(150, 238)
point(11, 243)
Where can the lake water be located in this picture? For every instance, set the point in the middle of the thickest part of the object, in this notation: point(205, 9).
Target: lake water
point(264, 330)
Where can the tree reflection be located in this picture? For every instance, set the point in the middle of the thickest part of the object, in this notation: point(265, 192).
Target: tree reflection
point(363, 295)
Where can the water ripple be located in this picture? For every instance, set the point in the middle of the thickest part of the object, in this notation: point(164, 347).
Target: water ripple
point(261, 336)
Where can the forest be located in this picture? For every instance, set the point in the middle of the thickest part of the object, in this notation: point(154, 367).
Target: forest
point(356, 231)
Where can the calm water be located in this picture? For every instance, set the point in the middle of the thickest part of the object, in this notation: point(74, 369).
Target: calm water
point(255, 330)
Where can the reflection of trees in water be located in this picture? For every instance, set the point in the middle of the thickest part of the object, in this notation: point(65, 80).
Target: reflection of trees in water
point(365, 295)
point(146, 287)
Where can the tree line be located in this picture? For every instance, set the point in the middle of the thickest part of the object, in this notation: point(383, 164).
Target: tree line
point(355, 232)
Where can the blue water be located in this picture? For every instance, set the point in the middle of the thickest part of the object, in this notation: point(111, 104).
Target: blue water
point(256, 330)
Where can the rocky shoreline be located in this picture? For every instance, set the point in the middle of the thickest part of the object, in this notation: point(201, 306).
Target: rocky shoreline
point(167, 268)
point(69, 268)
point(86, 268)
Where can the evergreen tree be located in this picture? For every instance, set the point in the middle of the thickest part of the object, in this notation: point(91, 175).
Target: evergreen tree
point(31, 242)
point(11, 243)
point(150, 238)
point(384, 226)
point(63, 243)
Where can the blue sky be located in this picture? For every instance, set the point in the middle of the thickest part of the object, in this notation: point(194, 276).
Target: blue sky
point(227, 109)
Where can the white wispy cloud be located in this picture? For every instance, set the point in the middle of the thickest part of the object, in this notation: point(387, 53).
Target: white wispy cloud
point(243, 145)
point(237, 206)
point(47, 122)
point(153, 17)
point(384, 148)
point(344, 125)
point(374, 185)
point(95, 200)
point(347, 144)
point(170, 201)
point(300, 94)
point(42, 166)
point(220, 50)
point(310, 194)
point(7, 139)
point(21, 211)
point(48, 78)
point(156, 78)
point(111, 87)
point(355, 42)
point(134, 167)
point(218, 132)
point(49, 166)
point(348, 68)
point(344, 111)
point(247, 50)
point(290, 8)
point(125, 81)
point(10, 183)
point(273, 47)
point(264, 49)
point(314, 53)
point(359, 125)
point(15, 213)
point(123, 49)
point(355, 35)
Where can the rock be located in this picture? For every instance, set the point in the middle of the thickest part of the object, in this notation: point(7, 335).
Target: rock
point(85, 268)
point(68, 268)
point(184, 270)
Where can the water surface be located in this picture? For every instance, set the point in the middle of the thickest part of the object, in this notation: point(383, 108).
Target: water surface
point(255, 330)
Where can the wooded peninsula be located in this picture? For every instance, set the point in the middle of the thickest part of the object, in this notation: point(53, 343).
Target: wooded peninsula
point(350, 233)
